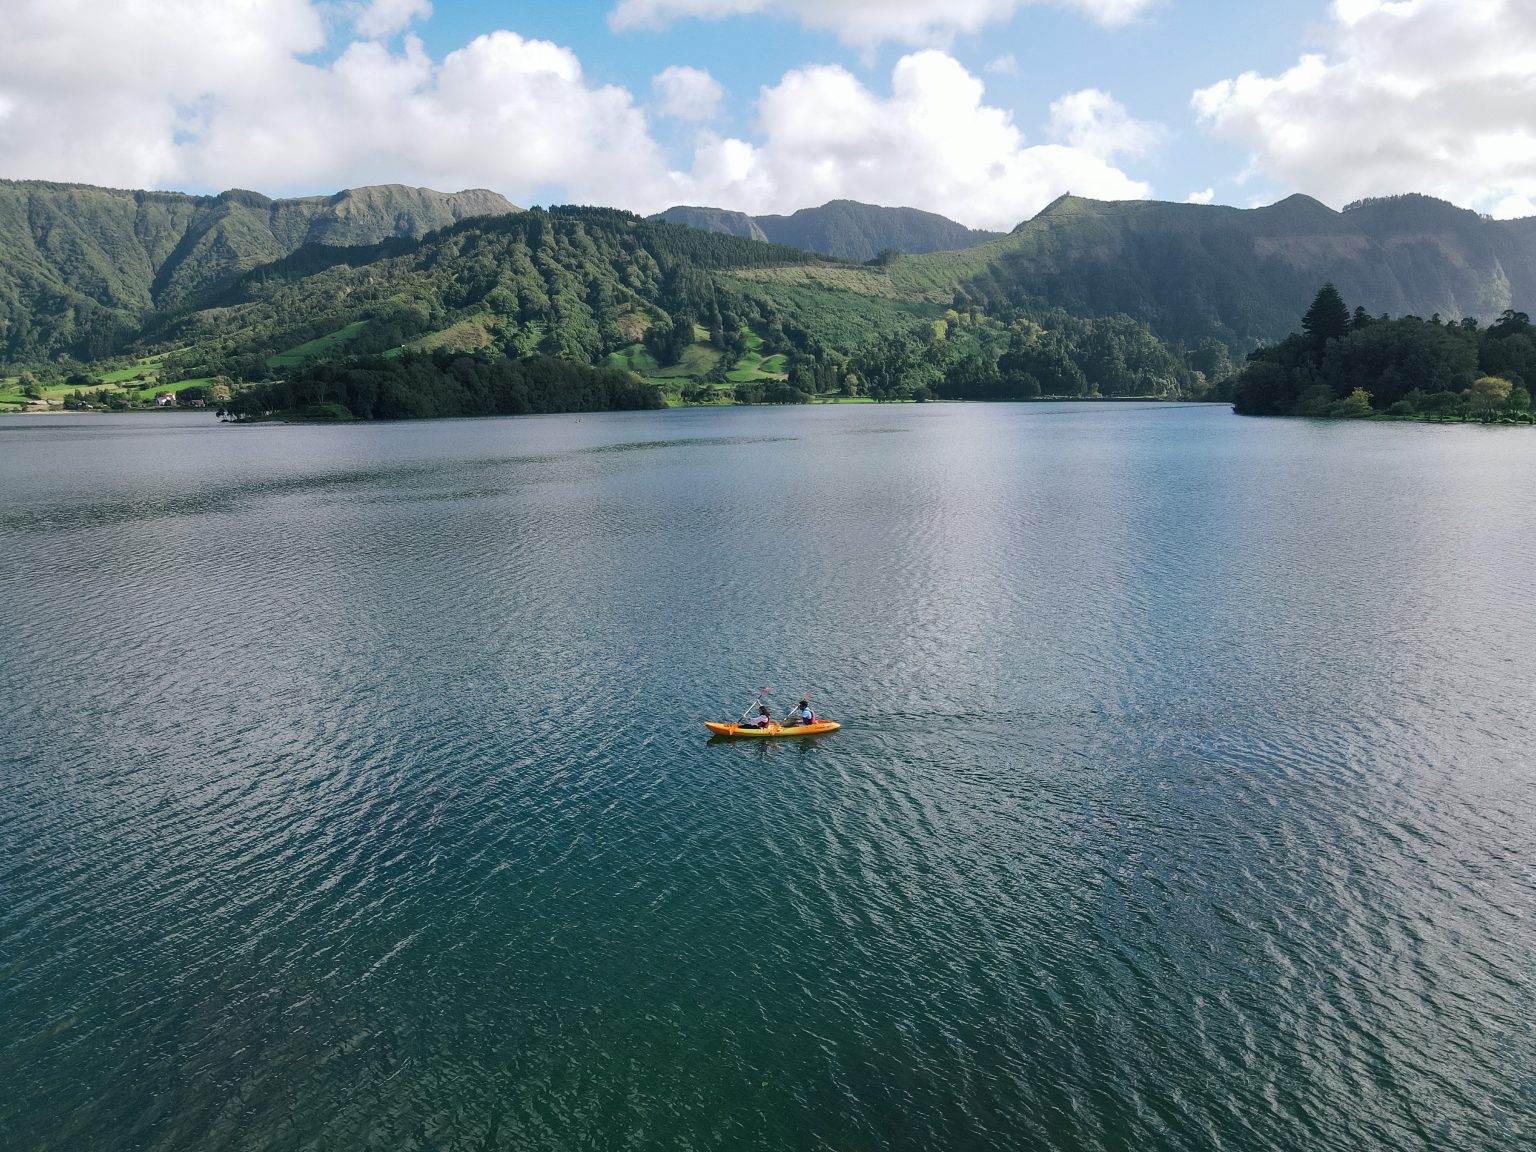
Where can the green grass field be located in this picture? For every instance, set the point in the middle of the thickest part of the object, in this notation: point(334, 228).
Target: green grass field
point(753, 366)
point(138, 371)
point(636, 358)
point(147, 395)
point(697, 361)
point(319, 346)
point(465, 336)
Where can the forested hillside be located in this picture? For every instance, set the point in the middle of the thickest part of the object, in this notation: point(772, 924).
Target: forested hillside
point(573, 283)
point(1240, 275)
point(1189, 271)
point(1124, 299)
point(82, 267)
point(703, 316)
point(416, 387)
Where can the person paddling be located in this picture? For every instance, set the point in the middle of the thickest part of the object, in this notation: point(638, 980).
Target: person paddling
point(761, 720)
point(801, 715)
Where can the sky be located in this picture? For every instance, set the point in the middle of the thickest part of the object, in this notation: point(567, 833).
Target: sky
point(982, 110)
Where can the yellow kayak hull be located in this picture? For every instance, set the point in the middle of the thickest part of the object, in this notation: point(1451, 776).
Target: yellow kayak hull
point(815, 729)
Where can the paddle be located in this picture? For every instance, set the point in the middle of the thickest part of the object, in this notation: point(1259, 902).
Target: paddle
point(756, 700)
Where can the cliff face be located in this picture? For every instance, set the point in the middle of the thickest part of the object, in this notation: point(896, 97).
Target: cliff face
point(713, 220)
point(1247, 275)
point(80, 264)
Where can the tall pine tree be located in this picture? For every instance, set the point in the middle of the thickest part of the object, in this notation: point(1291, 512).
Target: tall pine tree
point(1327, 319)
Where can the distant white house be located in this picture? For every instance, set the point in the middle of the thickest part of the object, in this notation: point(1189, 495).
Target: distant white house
point(166, 399)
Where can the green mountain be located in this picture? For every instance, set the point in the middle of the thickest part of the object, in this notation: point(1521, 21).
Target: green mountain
point(702, 316)
point(1131, 298)
point(855, 231)
point(715, 220)
point(81, 267)
point(580, 284)
point(1193, 272)
point(842, 228)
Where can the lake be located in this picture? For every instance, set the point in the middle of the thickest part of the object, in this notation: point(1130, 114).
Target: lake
point(357, 794)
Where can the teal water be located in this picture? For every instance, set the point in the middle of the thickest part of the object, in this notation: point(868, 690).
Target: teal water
point(356, 796)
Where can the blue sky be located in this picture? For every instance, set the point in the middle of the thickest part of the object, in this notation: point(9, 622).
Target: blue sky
point(981, 109)
point(1151, 65)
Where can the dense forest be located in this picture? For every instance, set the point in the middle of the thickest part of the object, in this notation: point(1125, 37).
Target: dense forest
point(573, 283)
point(1025, 354)
point(1345, 363)
point(956, 358)
point(444, 384)
point(599, 286)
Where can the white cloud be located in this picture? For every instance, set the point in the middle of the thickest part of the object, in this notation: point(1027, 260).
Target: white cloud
point(1093, 121)
point(222, 95)
point(933, 143)
point(867, 22)
point(503, 111)
point(383, 18)
point(1004, 65)
point(101, 93)
point(687, 93)
point(1435, 96)
point(1204, 197)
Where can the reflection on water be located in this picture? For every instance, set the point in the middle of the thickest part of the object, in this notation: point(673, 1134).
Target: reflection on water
point(357, 792)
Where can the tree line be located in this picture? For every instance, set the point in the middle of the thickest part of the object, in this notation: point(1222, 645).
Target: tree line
point(1352, 364)
point(416, 386)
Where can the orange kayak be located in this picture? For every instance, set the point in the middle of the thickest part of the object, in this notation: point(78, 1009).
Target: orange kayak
point(773, 729)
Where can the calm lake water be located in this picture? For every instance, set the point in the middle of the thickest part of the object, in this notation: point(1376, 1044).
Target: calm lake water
point(356, 793)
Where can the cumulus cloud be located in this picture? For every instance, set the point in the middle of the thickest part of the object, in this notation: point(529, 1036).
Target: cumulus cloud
point(1435, 96)
point(687, 93)
point(221, 95)
point(102, 93)
point(1007, 65)
point(867, 22)
point(383, 18)
point(1203, 197)
point(1093, 121)
point(933, 143)
point(230, 95)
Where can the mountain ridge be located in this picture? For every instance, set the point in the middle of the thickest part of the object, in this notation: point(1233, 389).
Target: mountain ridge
point(1241, 275)
point(846, 229)
point(83, 265)
point(592, 283)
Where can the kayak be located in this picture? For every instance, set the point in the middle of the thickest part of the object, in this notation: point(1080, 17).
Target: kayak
point(815, 729)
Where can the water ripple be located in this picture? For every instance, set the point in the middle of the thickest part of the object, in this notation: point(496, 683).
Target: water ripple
point(356, 794)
